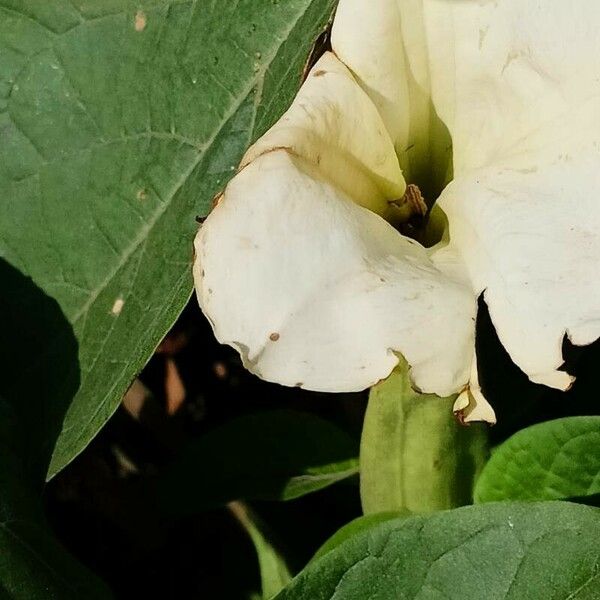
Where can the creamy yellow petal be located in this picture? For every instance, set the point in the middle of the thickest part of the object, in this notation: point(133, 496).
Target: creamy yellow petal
point(384, 45)
point(334, 125)
point(470, 405)
point(503, 70)
point(530, 240)
point(518, 84)
point(316, 291)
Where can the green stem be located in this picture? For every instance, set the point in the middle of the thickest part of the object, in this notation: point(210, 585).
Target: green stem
point(414, 455)
point(274, 573)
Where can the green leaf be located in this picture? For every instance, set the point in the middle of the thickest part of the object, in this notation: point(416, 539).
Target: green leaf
point(275, 455)
point(355, 527)
point(506, 551)
point(414, 456)
point(120, 120)
point(548, 461)
point(274, 573)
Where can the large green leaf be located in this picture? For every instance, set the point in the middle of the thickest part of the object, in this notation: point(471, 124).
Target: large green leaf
point(119, 120)
point(510, 551)
point(548, 461)
point(275, 455)
point(355, 527)
point(414, 455)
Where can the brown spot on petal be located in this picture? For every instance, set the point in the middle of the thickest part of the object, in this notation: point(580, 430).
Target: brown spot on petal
point(319, 73)
point(274, 337)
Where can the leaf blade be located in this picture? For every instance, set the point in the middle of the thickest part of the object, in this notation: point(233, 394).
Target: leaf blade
point(274, 572)
point(127, 118)
point(492, 551)
point(275, 455)
point(548, 461)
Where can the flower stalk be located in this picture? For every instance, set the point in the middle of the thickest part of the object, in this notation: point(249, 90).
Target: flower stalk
point(414, 456)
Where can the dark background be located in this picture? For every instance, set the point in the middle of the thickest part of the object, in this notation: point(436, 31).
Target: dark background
point(102, 506)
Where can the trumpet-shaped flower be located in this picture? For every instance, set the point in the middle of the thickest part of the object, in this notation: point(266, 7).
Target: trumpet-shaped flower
point(304, 266)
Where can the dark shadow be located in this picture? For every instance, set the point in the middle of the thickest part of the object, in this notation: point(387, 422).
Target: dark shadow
point(254, 456)
point(517, 401)
point(506, 387)
point(434, 172)
point(592, 500)
point(39, 367)
point(108, 516)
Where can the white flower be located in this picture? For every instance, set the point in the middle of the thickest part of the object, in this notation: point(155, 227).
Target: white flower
point(299, 266)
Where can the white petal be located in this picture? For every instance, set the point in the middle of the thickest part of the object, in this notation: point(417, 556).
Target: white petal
point(518, 84)
point(497, 71)
point(471, 405)
point(530, 239)
point(384, 44)
point(368, 39)
point(333, 124)
point(503, 70)
point(316, 291)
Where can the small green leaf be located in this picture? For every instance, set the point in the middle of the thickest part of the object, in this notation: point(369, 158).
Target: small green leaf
point(414, 456)
point(505, 551)
point(274, 574)
point(548, 461)
point(275, 455)
point(120, 120)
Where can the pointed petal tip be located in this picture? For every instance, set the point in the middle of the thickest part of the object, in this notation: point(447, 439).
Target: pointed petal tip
point(472, 407)
point(559, 380)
